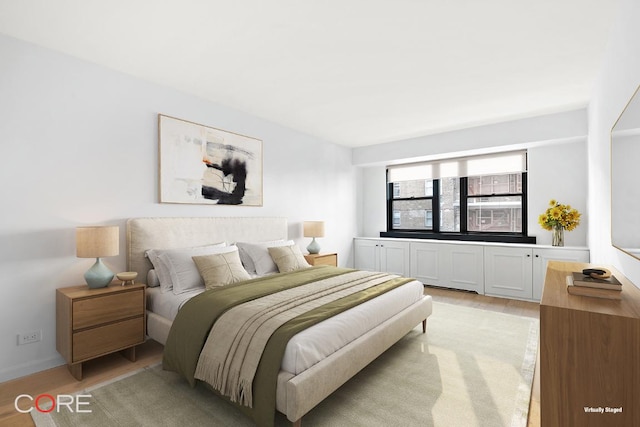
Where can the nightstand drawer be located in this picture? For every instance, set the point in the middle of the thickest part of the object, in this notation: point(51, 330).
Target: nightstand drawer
point(107, 308)
point(331, 259)
point(322, 259)
point(106, 339)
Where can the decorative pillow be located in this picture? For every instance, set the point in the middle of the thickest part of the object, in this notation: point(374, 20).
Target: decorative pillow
point(221, 269)
point(288, 258)
point(184, 272)
point(258, 254)
point(175, 268)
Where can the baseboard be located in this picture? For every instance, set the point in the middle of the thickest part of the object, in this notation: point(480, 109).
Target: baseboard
point(24, 369)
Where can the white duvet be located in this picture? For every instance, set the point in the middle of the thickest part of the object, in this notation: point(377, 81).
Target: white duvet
point(317, 342)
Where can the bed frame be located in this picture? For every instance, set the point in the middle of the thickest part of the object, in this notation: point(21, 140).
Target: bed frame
point(296, 394)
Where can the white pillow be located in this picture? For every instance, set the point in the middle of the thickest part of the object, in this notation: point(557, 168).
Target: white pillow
point(161, 271)
point(255, 256)
point(169, 262)
point(288, 258)
point(221, 269)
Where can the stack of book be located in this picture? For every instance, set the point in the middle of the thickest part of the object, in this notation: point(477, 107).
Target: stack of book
point(579, 284)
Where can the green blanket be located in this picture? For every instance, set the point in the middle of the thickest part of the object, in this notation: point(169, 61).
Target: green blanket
point(191, 328)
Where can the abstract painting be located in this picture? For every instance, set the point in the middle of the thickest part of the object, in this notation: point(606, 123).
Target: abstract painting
point(204, 165)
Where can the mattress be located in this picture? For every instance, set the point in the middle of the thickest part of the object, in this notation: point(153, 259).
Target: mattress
point(313, 344)
point(167, 304)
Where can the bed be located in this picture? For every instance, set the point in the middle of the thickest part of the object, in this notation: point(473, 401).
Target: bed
point(300, 386)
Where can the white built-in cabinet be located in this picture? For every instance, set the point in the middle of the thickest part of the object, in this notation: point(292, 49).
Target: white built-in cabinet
point(519, 272)
point(390, 256)
point(508, 271)
point(542, 256)
point(448, 265)
point(504, 270)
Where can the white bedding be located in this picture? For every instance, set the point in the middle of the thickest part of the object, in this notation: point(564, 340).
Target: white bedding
point(315, 343)
point(167, 304)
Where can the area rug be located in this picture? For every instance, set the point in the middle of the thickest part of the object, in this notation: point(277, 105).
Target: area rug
point(472, 368)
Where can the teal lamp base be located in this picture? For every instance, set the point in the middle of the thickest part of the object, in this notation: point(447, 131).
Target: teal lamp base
point(99, 275)
point(313, 247)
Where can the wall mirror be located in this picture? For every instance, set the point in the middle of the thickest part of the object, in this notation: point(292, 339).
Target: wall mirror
point(625, 186)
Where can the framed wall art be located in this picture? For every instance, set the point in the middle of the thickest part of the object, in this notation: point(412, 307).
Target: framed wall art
point(204, 165)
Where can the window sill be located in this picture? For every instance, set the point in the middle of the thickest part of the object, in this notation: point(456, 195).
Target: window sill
point(470, 237)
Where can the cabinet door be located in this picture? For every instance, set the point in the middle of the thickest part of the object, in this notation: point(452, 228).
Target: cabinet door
point(465, 267)
point(426, 264)
point(456, 266)
point(508, 272)
point(542, 256)
point(394, 257)
point(366, 256)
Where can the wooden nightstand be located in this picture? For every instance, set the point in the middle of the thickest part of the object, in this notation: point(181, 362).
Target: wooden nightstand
point(322, 259)
point(94, 322)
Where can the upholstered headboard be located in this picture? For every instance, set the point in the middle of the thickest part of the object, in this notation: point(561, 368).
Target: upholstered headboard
point(167, 233)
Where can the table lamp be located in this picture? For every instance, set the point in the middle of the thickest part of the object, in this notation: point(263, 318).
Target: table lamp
point(313, 229)
point(96, 242)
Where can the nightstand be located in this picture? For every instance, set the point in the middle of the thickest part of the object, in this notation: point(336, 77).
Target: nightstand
point(94, 322)
point(322, 259)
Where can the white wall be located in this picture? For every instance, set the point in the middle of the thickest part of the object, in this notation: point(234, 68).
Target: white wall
point(373, 195)
point(557, 167)
point(558, 171)
point(79, 145)
point(616, 83)
point(499, 136)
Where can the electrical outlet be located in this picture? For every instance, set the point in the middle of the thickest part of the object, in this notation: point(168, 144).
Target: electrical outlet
point(29, 337)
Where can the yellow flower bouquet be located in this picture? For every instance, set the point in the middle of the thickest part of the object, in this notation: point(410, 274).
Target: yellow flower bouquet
point(559, 217)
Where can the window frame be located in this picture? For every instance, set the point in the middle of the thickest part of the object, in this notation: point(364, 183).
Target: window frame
point(464, 234)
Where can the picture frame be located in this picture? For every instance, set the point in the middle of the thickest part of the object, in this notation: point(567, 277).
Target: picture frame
point(199, 164)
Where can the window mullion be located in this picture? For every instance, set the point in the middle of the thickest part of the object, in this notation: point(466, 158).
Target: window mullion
point(498, 195)
point(390, 206)
point(435, 206)
point(525, 230)
point(464, 195)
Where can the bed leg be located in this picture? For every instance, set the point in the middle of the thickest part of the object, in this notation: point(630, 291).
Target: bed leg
point(297, 423)
point(424, 326)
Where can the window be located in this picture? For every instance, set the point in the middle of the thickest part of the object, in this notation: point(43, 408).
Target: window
point(396, 189)
point(494, 203)
point(396, 219)
point(428, 219)
point(410, 204)
point(473, 198)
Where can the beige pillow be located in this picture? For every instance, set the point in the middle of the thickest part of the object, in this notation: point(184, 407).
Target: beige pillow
point(288, 258)
point(221, 269)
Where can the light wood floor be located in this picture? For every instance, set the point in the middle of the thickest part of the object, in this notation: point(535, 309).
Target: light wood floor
point(59, 381)
point(520, 308)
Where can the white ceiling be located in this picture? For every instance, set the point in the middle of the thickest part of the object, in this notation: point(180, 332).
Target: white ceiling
point(353, 72)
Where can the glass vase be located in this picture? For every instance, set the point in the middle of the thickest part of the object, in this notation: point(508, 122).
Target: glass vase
point(557, 236)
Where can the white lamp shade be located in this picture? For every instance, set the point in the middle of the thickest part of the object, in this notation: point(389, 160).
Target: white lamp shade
point(313, 228)
point(98, 241)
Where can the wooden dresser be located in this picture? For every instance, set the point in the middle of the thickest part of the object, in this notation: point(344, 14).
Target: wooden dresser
point(589, 354)
point(94, 322)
